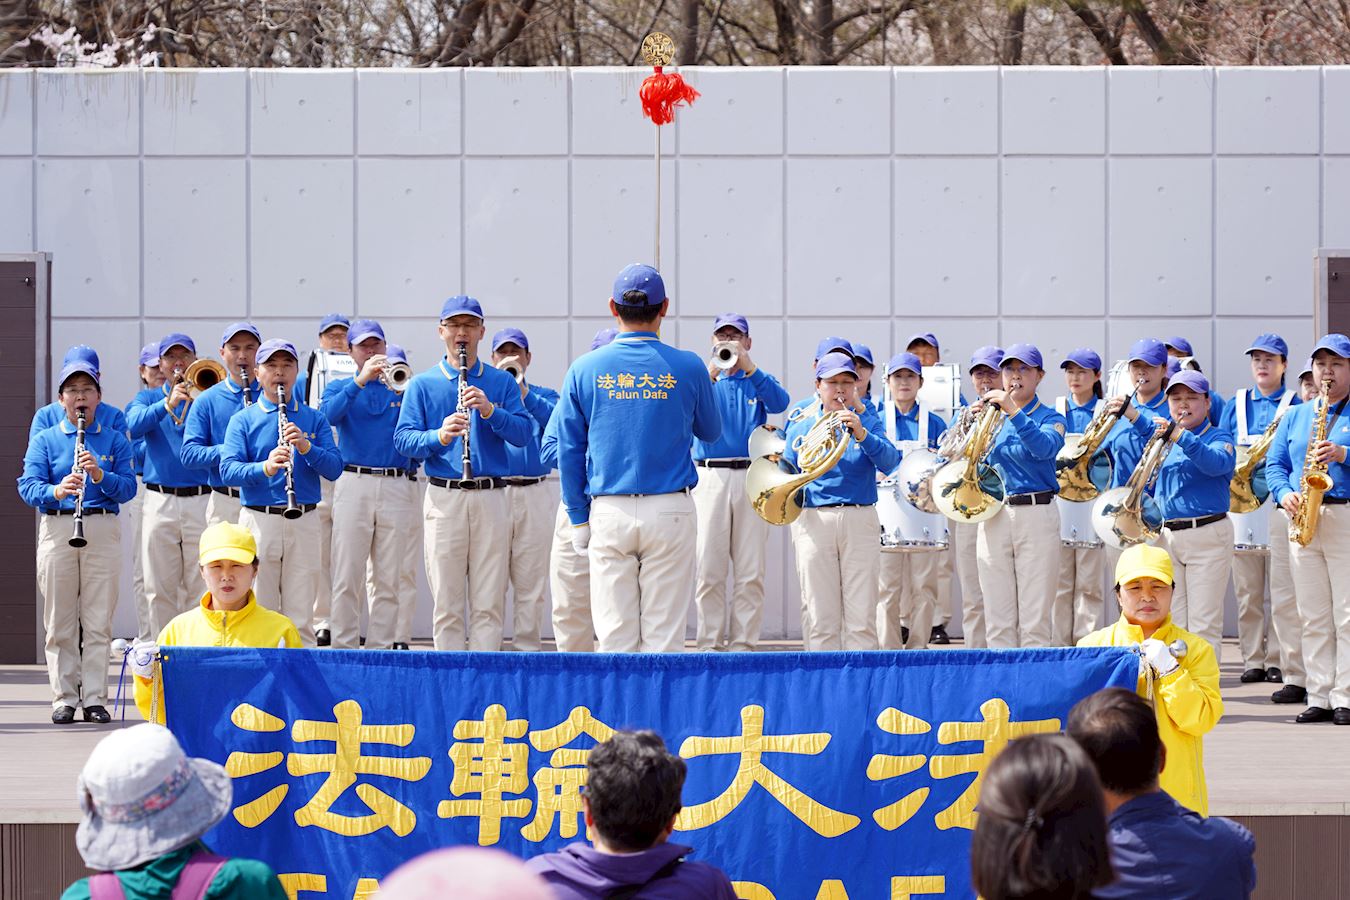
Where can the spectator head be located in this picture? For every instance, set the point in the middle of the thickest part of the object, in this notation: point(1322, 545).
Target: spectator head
point(1042, 826)
point(1118, 731)
point(633, 791)
point(465, 873)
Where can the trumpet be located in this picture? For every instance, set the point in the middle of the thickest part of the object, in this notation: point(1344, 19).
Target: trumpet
point(77, 536)
point(1125, 516)
point(512, 368)
point(773, 484)
point(725, 354)
point(1316, 481)
point(293, 510)
point(396, 376)
point(968, 489)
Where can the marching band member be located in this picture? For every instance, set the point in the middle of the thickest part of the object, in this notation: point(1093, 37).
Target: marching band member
point(907, 587)
point(151, 377)
point(204, 432)
point(374, 501)
point(528, 498)
point(836, 541)
point(1078, 600)
point(1321, 567)
point(1181, 354)
point(925, 347)
point(266, 460)
point(1307, 388)
point(1247, 418)
point(629, 412)
point(465, 513)
point(569, 569)
point(985, 377)
point(1018, 549)
point(730, 534)
point(174, 512)
point(827, 345)
point(78, 584)
point(412, 539)
point(1192, 492)
point(862, 361)
point(54, 413)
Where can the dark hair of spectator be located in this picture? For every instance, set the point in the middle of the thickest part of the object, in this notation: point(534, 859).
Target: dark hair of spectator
point(634, 787)
point(1118, 730)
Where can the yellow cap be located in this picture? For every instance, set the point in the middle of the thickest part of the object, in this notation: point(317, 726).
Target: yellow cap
point(226, 540)
point(1143, 561)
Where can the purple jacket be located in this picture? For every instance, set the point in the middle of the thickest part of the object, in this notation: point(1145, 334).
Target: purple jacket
point(580, 872)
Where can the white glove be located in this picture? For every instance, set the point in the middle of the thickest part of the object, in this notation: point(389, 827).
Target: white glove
point(581, 538)
point(1157, 655)
point(143, 654)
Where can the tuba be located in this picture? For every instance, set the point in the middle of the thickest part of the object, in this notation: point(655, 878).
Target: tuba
point(1125, 516)
point(772, 483)
point(1316, 482)
point(1082, 468)
point(968, 489)
point(1248, 490)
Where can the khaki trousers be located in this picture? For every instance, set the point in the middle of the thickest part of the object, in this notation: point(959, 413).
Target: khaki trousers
point(79, 592)
point(1253, 575)
point(412, 564)
point(371, 526)
point(642, 571)
point(569, 582)
point(466, 542)
point(323, 598)
point(840, 566)
point(964, 546)
point(288, 565)
point(943, 573)
point(1202, 559)
point(222, 508)
point(730, 536)
point(529, 506)
point(133, 512)
point(171, 535)
point(1322, 583)
point(1018, 555)
point(907, 594)
point(1078, 600)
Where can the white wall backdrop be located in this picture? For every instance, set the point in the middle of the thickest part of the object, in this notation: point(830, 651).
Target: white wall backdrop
point(1067, 206)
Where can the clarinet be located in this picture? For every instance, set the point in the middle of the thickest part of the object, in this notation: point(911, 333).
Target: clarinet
point(293, 510)
point(243, 381)
point(465, 462)
point(77, 537)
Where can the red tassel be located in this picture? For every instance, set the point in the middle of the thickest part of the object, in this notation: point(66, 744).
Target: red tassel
point(661, 93)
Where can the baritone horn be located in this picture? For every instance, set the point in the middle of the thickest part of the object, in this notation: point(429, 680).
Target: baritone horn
point(726, 354)
point(968, 489)
point(1125, 516)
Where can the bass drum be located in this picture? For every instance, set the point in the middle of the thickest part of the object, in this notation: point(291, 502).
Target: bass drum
point(1075, 526)
point(905, 529)
point(1251, 531)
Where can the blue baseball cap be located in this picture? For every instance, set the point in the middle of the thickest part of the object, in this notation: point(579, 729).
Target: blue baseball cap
point(1179, 343)
point(511, 336)
point(1338, 344)
point(395, 352)
point(362, 329)
point(332, 320)
point(75, 367)
point(1270, 343)
point(273, 347)
point(833, 364)
point(235, 327)
point(863, 352)
point(177, 339)
point(85, 353)
point(1083, 357)
point(461, 305)
point(1307, 368)
point(1173, 365)
point(1026, 353)
point(904, 360)
point(831, 344)
point(603, 337)
point(735, 320)
point(1150, 351)
point(926, 336)
point(989, 356)
point(639, 285)
point(150, 354)
point(1190, 378)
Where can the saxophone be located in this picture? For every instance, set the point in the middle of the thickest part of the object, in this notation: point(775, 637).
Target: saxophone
point(1247, 490)
point(1316, 482)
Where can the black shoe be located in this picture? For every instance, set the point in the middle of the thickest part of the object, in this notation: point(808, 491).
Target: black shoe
point(939, 636)
point(97, 714)
point(1251, 676)
point(399, 645)
point(323, 638)
point(1313, 714)
point(63, 715)
point(904, 635)
point(1341, 715)
point(1274, 675)
point(1290, 693)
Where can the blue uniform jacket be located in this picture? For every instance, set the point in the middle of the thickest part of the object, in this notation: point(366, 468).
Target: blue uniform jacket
point(1284, 463)
point(1076, 418)
point(148, 418)
point(434, 394)
point(1125, 444)
point(854, 479)
point(365, 418)
point(252, 435)
point(1025, 447)
point(744, 403)
point(54, 413)
point(204, 430)
point(1193, 479)
point(1260, 411)
point(628, 412)
point(525, 462)
point(51, 456)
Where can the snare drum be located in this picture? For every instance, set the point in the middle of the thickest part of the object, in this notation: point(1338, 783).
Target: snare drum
point(1251, 531)
point(1075, 526)
point(905, 529)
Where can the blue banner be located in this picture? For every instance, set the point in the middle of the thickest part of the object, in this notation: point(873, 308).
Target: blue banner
point(810, 775)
